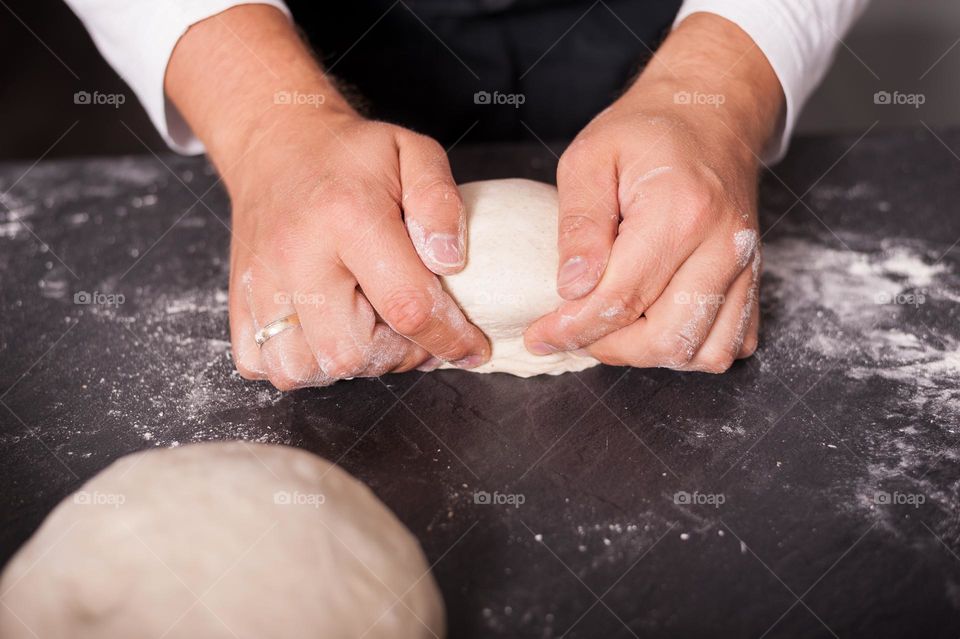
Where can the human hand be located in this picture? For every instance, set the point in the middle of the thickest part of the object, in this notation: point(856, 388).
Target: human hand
point(318, 231)
point(658, 232)
point(344, 221)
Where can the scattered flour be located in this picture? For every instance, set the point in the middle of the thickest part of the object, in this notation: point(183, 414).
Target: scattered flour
point(865, 312)
point(183, 340)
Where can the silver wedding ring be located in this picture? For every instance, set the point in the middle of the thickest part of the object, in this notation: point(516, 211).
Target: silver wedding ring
point(276, 327)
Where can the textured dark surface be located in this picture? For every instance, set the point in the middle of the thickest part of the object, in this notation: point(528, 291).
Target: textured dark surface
point(845, 398)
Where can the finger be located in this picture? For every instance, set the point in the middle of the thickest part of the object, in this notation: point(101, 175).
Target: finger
point(246, 354)
point(587, 223)
point(336, 325)
point(394, 353)
point(678, 323)
point(432, 207)
point(646, 254)
point(730, 331)
point(409, 298)
point(727, 335)
point(751, 335)
point(341, 328)
point(288, 361)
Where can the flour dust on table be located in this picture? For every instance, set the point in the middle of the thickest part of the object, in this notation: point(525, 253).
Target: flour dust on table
point(510, 277)
point(221, 540)
point(866, 310)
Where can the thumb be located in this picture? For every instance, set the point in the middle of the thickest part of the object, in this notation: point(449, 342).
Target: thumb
point(432, 207)
point(587, 226)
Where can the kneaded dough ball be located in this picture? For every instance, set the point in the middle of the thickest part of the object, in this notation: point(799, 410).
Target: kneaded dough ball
point(221, 540)
point(511, 273)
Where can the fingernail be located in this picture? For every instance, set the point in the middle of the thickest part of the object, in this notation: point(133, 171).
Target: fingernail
point(571, 271)
point(471, 361)
point(444, 249)
point(541, 348)
point(431, 364)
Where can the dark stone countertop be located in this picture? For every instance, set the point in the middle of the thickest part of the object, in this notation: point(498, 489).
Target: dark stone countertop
point(821, 447)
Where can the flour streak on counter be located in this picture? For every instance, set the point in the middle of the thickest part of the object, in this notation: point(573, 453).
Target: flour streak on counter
point(862, 313)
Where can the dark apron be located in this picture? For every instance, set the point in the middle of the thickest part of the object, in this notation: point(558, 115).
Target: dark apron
point(474, 69)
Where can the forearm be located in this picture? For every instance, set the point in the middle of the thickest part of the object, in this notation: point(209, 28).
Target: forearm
point(709, 65)
point(226, 71)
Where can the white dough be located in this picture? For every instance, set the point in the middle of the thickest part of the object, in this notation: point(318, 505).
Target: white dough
point(510, 277)
point(221, 540)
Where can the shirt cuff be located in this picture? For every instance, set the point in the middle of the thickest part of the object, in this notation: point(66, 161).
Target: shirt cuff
point(798, 38)
point(137, 38)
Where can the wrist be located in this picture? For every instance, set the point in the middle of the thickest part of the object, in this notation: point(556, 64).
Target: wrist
point(710, 71)
point(233, 75)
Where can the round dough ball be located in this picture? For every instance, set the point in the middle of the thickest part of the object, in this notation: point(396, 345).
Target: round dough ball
point(511, 273)
point(221, 540)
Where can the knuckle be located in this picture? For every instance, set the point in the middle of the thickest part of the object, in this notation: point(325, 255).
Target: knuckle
point(623, 306)
point(284, 382)
point(339, 200)
point(290, 367)
point(346, 196)
point(574, 224)
point(676, 350)
point(698, 198)
point(428, 148)
point(244, 363)
point(566, 161)
point(432, 148)
point(408, 312)
point(573, 159)
point(344, 365)
point(247, 372)
point(285, 379)
point(244, 351)
point(283, 241)
point(440, 191)
point(716, 361)
point(749, 346)
point(695, 204)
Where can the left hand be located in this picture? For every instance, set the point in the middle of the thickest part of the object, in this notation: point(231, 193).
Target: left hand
point(658, 233)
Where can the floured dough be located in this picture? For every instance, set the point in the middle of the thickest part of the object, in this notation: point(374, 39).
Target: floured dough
point(510, 277)
point(221, 540)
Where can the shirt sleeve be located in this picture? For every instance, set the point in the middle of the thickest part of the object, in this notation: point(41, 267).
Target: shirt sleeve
point(798, 37)
point(137, 38)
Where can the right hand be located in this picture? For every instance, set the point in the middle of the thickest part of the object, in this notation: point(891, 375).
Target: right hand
point(345, 222)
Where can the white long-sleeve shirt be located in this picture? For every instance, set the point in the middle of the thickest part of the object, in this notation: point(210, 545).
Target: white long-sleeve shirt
point(137, 38)
point(798, 38)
